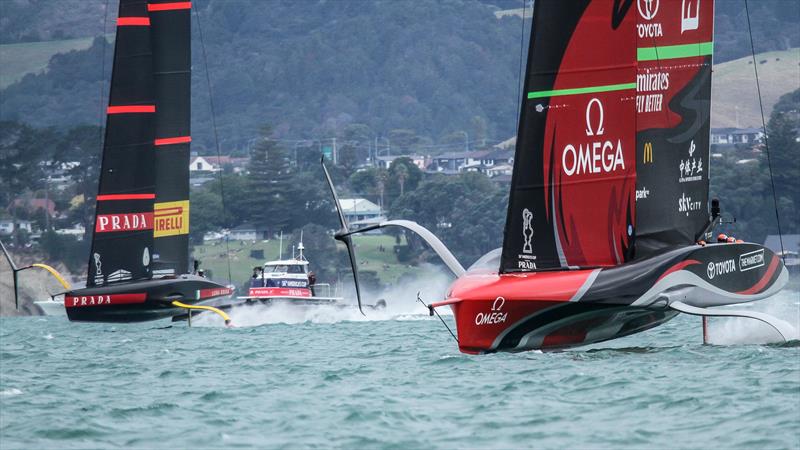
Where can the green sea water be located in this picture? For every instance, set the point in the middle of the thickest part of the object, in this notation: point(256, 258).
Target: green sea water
point(331, 378)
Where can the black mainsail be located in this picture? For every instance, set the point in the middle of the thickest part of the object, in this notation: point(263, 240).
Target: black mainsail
point(122, 242)
point(171, 28)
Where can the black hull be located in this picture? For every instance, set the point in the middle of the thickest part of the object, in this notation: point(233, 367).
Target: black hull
point(142, 300)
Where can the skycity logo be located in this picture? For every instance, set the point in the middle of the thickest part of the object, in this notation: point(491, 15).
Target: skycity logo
point(642, 193)
point(494, 317)
point(690, 20)
point(720, 268)
point(686, 205)
point(598, 156)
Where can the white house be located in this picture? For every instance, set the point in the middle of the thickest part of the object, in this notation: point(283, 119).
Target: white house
point(723, 136)
point(247, 232)
point(360, 209)
point(201, 164)
point(7, 226)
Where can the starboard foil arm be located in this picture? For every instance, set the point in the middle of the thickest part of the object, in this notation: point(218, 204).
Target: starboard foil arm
point(785, 329)
point(15, 270)
point(343, 235)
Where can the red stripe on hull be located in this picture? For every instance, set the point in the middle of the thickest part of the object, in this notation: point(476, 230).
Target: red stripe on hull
point(131, 109)
point(679, 266)
point(214, 292)
point(133, 21)
point(169, 6)
point(103, 300)
point(174, 140)
point(125, 197)
point(764, 281)
point(279, 292)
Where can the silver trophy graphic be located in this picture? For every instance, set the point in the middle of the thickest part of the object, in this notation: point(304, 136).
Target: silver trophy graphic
point(98, 271)
point(527, 230)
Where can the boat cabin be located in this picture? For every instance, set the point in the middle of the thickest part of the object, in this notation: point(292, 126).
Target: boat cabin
point(282, 278)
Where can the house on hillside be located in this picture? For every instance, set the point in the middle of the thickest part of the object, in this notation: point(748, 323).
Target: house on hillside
point(9, 225)
point(455, 162)
point(360, 211)
point(211, 164)
point(732, 136)
point(385, 161)
point(791, 249)
point(247, 232)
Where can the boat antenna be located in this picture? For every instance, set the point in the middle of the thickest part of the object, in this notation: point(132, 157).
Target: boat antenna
point(280, 247)
point(764, 126)
point(300, 247)
point(216, 139)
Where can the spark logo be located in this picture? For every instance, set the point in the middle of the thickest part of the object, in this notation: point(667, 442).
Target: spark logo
point(171, 218)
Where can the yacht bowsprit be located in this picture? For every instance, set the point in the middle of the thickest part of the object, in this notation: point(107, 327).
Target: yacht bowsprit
point(608, 231)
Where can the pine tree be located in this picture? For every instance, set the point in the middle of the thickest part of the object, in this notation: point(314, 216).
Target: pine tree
point(269, 195)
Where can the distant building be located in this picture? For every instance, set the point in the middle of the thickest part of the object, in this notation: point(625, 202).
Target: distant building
point(791, 249)
point(360, 211)
point(210, 164)
point(8, 225)
point(732, 136)
point(454, 162)
point(386, 161)
point(247, 232)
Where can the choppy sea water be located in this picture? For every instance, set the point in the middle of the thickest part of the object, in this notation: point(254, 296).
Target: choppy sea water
point(330, 378)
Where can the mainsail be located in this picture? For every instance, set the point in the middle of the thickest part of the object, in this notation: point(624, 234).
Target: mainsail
point(673, 109)
point(122, 241)
point(171, 28)
point(573, 187)
point(142, 215)
point(612, 151)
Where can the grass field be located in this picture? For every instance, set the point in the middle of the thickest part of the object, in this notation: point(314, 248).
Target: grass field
point(370, 258)
point(18, 60)
point(734, 93)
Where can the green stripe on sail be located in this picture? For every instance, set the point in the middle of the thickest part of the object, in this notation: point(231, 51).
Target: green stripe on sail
point(675, 51)
point(583, 90)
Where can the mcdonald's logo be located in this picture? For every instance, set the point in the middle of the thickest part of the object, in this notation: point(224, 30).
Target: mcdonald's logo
point(648, 152)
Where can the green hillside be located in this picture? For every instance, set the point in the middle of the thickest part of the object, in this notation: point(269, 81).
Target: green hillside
point(734, 93)
point(370, 258)
point(18, 60)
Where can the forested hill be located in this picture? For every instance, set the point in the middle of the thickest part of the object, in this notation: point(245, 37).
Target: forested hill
point(309, 68)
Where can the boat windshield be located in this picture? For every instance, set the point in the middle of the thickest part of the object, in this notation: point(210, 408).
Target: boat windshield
point(284, 268)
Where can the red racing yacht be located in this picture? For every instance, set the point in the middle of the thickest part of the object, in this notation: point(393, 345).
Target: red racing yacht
point(608, 231)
